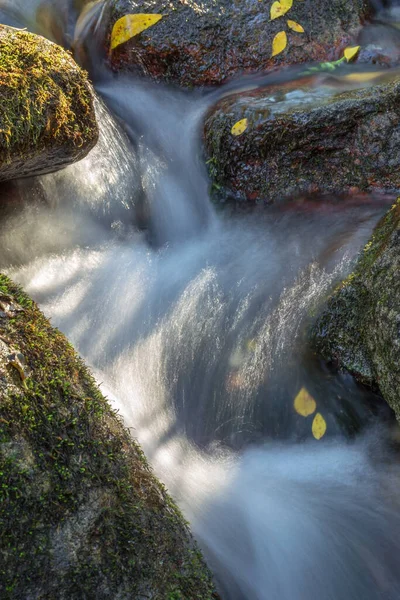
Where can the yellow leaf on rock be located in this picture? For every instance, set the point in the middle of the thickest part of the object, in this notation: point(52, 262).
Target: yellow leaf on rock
point(239, 127)
point(351, 52)
point(318, 426)
point(295, 26)
point(130, 25)
point(304, 404)
point(278, 9)
point(279, 43)
point(287, 5)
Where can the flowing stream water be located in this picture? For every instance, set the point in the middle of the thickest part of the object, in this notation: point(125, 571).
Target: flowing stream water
point(194, 322)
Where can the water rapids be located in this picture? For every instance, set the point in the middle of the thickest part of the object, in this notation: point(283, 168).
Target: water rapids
point(194, 322)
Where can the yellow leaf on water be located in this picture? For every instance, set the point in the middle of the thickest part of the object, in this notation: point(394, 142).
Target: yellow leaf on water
point(239, 127)
point(351, 52)
point(295, 26)
point(318, 426)
point(304, 404)
point(279, 43)
point(278, 9)
point(362, 77)
point(130, 25)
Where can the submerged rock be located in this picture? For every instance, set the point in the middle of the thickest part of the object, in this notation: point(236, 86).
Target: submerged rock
point(302, 141)
point(47, 119)
point(205, 42)
point(360, 329)
point(81, 514)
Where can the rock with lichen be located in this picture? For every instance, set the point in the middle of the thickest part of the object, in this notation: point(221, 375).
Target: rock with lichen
point(81, 514)
point(360, 328)
point(302, 140)
point(205, 42)
point(47, 119)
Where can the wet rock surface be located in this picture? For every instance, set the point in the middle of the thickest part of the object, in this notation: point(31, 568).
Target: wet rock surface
point(47, 119)
point(201, 43)
point(360, 329)
point(303, 141)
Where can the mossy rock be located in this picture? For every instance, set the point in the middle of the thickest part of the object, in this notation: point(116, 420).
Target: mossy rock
point(360, 329)
point(299, 141)
point(81, 514)
point(47, 118)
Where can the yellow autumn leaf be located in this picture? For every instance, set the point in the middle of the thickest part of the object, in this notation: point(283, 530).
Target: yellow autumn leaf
point(287, 5)
point(318, 426)
point(278, 9)
point(304, 404)
point(279, 43)
point(351, 52)
point(362, 77)
point(130, 25)
point(295, 26)
point(239, 127)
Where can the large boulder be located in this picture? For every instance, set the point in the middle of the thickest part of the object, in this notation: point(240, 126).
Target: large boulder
point(302, 140)
point(360, 329)
point(204, 43)
point(47, 119)
point(81, 514)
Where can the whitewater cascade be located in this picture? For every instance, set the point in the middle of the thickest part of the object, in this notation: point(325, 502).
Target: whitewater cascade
point(194, 323)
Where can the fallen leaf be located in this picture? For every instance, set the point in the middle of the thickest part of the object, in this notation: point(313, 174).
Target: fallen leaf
point(295, 26)
point(278, 9)
point(239, 127)
point(304, 404)
point(351, 52)
point(130, 25)
point(287, 5)
point(362, 77)
point(318, 426)
point(279, 43)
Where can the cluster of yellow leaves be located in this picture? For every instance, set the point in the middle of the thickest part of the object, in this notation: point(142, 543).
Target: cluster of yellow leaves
point(130, 25)
point(278, 9)
point(305, 405)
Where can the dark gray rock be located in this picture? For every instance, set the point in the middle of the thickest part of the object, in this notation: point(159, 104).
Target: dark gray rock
point(302, 140)
point(204, 42)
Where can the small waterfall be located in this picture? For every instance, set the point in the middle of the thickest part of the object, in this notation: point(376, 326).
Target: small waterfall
point(174, 176)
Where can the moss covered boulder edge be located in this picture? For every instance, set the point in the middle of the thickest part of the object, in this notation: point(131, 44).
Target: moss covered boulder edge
point(204, 43)
point(360, 329)
point(81, 514)
point(299, 141)
point(47, 119)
